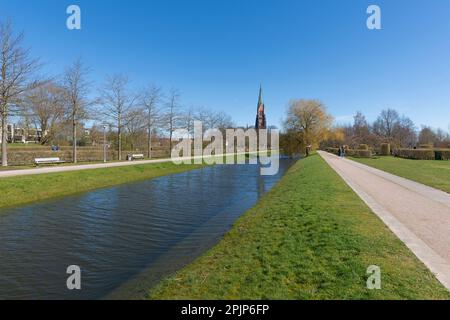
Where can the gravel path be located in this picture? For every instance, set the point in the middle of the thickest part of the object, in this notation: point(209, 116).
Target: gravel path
point(27, 172)
point(419, 215)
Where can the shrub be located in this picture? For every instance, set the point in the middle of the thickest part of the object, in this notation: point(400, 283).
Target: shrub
point(332, 150)
point(358, 153)
point(385, 149)
point(364, 153)
point(363, 147)
point(442, 154)
point(418, 154)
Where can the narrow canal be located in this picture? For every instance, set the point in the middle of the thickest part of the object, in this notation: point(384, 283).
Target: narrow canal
point(124, 238)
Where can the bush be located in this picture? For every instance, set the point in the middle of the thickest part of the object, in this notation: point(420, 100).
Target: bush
point(417, 154)
point(385, 149)
point(351, 152)
point(364, 153)
point(358, 153)
point(363, 147)
point(446, 154)
point(442, 154)
point(332, 150)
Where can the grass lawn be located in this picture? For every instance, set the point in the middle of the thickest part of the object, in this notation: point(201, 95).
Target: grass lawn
point(310, 237)
point(430, 172)
point(26, 189)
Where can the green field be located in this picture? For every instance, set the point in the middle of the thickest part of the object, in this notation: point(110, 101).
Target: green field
point(430, 172)
point(25, 189)
point(310, 237)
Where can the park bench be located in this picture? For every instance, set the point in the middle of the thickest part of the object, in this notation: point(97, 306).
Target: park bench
point(38, 161)
point(132, 157)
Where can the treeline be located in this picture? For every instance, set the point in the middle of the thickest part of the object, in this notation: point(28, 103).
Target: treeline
point(389, 127)
point(60, 106)
point(308, 125)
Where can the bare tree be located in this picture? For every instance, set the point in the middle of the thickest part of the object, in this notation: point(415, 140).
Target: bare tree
point(187, 119)
point(427, 136)
point(405, 133)
point(385, 124)
point(361, 129)
point(45, 107)
point(118, 102)
point(136, 127)
point(213, 120)
point(16, 68)
point(223, 121)
point(202, 115)
point(173, 113)
point(150, 100)
point(76, 86)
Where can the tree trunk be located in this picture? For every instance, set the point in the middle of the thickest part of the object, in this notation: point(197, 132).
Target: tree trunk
point(149, 142)
point(4, 142)
point(119, 137)
point(74, 141)
point(170, 142)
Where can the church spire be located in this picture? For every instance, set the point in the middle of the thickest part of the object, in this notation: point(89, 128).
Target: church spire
point(260, 99)
point(260, 115)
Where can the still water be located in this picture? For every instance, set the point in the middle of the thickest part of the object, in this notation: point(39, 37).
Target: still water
point(124, 238)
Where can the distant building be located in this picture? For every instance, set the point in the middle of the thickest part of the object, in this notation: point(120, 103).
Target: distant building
point(260, 116)
point(10, 130)
point(20, 135)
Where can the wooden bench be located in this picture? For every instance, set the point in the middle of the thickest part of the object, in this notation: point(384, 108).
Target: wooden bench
point(132, 157)
point(38, 161)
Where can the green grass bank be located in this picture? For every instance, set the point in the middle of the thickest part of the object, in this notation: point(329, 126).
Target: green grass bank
point(433, 173)
point(310, 237)
point(27, 189)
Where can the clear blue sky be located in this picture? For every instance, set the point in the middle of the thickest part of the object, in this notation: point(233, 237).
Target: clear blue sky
point(217, 52)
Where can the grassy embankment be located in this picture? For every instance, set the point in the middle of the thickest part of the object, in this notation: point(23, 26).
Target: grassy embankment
point(310, 237)
point(26, 189)
point(430, 172)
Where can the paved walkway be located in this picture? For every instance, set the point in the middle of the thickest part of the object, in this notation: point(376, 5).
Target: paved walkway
point(35, 171)
point(27, 172)
point(419, 215)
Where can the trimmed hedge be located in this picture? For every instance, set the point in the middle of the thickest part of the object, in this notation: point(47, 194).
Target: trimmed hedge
point(385, 149)
point(351, 152)
point(359, 153)
point(446, 154)
point(363, 147)
point(332, 150)
point(423, 154)
point(442, 154)
point(417, 154)
point(426, 146)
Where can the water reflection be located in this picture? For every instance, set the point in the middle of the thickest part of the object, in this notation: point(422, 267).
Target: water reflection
point(124, 238)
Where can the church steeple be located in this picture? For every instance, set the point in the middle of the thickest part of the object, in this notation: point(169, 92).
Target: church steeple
point(260, 116)
point(260, 99)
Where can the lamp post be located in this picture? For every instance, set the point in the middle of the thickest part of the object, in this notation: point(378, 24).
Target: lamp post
point(104, 143)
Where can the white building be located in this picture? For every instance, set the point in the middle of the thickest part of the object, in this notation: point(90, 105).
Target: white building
point(19, 135)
